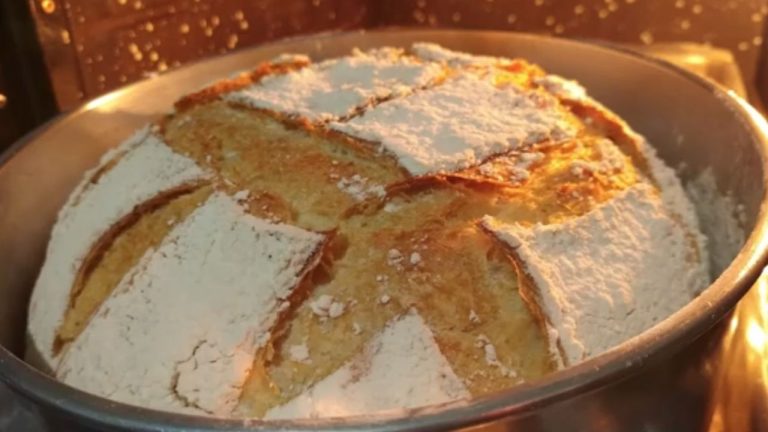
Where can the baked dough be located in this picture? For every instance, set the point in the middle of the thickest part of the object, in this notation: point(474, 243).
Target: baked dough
point(386, 230)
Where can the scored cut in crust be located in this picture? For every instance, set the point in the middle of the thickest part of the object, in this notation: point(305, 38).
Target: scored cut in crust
point(400, 368)
point(339, 88)
point(392, 158)
point(140, 227)
point(605, 277)
point(140, 169)
point(192, 305)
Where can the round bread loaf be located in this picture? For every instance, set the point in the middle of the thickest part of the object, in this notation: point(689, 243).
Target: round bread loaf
point(381, 231)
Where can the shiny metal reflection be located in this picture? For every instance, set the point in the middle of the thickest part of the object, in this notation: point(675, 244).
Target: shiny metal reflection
point(739, 395)
point(738, 399)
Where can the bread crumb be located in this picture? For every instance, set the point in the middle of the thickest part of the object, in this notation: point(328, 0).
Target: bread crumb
point(285, 304)
point(581, 168)
point(299, 353)
point(415, 258)
point(321, 305)
point(360, 188)
point(490, 354)
point(486, 169)
point(519, 175)
point(491, 358)
point(336, 310)
point(473, 317)
point(391, 207)
point(242, 195)
point(325, 307)
point(384, 299)
point(531, 157)
point(394, 257)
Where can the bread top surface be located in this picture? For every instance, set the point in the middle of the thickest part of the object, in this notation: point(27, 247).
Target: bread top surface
point(413, 178)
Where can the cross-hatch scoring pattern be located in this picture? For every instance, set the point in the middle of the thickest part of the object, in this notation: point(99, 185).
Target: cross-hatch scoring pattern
point(398, 241)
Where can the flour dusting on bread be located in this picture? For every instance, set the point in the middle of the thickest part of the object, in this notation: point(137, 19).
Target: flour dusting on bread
point(460, 123)
point(604, 277)
point(181, 330)
point(126, 177)
point(336, 88)
point(375, 232)
point(401, 368)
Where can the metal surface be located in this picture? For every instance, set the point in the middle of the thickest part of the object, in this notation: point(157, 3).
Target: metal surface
point(735, 25)
point(739, 368)
point(688, 120)
point(716, 64)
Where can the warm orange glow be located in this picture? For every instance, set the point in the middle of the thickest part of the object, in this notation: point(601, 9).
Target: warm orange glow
point(756, 336)
point(762, 294)
point(733, 325)
point(104, 103)
point(48, 6)
point(741, 368)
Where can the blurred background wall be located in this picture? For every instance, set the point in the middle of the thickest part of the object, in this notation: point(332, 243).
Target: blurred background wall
point(55, 54)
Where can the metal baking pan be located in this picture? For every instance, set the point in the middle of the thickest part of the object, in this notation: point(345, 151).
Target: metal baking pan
point(691, 122)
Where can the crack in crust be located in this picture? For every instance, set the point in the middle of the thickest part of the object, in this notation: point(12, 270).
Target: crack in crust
point(214, 91)
point(315, 272)
point(528, 293)
point(72, 326)
point(174, 386)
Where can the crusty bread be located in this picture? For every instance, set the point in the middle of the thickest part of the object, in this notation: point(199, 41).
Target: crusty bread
point(397, 200)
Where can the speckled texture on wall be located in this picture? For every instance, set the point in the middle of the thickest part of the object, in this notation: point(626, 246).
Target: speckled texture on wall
point(92, 46)
point(732, 24)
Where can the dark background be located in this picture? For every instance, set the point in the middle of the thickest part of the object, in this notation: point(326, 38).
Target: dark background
point(56, 54)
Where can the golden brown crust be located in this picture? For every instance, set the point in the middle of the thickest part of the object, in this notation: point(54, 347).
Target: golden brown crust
point(526, 286)
point(263, 153)
point(77, 316)
point(214, 91)
point(316, 271)
point(613, 127)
